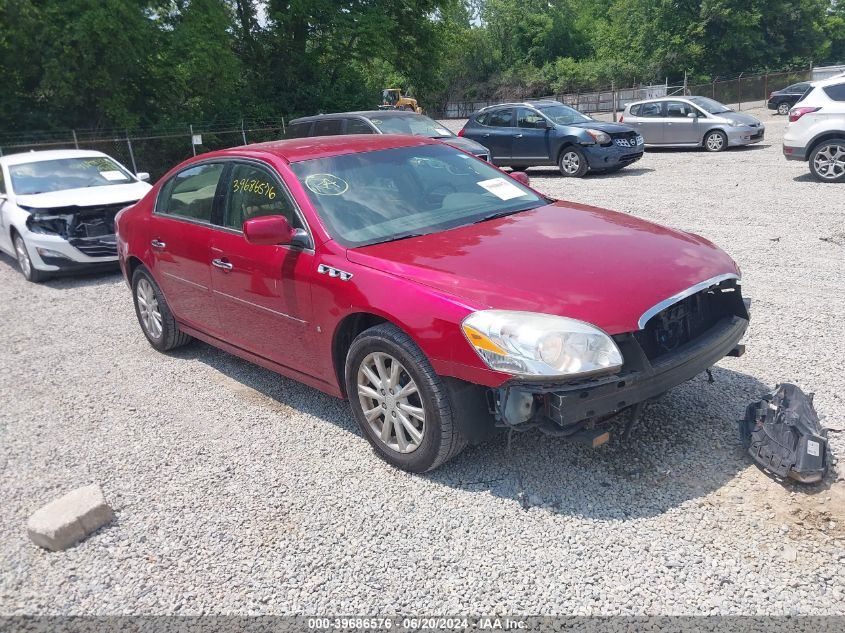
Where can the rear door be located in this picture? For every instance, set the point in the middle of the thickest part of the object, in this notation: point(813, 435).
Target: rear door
point(180, 242)
point(496, 134)
point(328, 127)
point(680, 128)
point(531, 143)
point(650, 122)
point(262, 292)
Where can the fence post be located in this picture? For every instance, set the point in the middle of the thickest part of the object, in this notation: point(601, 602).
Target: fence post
point(193, 147)
point(283, 126)
point(714, 89)
point(131, 153)
point(613, 96)
point(765, 86)
point(739, 90)
point(243, 131)
point(75, 142)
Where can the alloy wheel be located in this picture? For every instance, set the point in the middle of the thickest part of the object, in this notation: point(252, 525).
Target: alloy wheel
point(570, 162)
point(829, 161)
point(715, 142)
point(148, 308)
point(391, 402)
point(23, 257)
point(783, 109)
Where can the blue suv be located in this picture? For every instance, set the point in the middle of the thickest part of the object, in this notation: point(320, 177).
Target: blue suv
point(521, 135)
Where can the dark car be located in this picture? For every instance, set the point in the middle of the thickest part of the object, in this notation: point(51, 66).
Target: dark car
point(521, 135)
point(382, 122)
point(783, 100)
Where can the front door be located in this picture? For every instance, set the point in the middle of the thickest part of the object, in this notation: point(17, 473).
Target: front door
point(650, 122)
point(531, 141)
point(263, 292)
point(180, 241)
point(680, 128)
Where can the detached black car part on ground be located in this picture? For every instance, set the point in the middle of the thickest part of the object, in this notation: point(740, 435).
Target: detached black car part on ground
point(783, 435)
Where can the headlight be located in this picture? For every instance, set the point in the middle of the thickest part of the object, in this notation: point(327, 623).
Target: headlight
point(601, 138)
point(532, 344)
point(734, 123)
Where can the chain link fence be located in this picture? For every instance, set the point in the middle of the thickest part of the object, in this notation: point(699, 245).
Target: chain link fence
point(150, 150)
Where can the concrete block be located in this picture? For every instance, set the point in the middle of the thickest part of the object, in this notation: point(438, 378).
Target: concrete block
point(69, 519)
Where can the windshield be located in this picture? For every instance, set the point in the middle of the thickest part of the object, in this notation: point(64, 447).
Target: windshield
point(564, 115)
point(67, 173)
point(708, 105)
point(386, 195)
point(413, 124)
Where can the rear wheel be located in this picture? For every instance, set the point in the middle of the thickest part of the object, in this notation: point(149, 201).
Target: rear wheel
point(572, 162)
point(154, 315)
point(401, 405)
point(827, 161)
point(715, 141)
point(783, 108)
point(518, 167)
point(29, 271)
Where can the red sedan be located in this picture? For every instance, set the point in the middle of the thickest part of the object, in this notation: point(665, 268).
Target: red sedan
point(443, 297)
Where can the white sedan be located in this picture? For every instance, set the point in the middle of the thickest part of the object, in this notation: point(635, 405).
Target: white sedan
point(57, 209)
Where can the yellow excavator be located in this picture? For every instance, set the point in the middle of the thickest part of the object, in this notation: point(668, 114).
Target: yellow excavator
point(393, 99)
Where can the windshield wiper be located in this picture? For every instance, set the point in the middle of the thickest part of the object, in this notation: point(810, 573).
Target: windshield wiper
point(502, 214)
point(404, 236)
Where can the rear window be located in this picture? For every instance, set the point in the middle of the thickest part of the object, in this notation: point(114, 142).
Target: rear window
point(298, 130)
point(635, 110)
point(499, 118)
point(806, 94)
point(835, 92)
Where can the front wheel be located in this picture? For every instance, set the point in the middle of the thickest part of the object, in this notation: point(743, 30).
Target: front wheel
point(154, 315)
point(29, 271)
point(572, 162)
point(783, 108)
point(715, 141)
point(401, 405)
point(827, 161)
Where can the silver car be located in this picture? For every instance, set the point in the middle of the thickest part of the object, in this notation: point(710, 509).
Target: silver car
point(692, 122)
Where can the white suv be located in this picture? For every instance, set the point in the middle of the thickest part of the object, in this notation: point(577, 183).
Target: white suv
point(816, 130)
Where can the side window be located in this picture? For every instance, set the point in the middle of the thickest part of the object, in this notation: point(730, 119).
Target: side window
point(652, 109)
point(328, 127)
point(678, 109)
point(635, 110)
point(357, 126)
point(500, 118)
point(798, 88)
point(252, 192)
point(525, 117)
point(190, 193)
point(835, 92)
point(298, 130)
point(482, 118)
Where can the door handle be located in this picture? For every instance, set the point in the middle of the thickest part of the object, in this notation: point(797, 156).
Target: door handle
point(518, 136)
point(157, 244)
point(486, 135)
point(222, 264)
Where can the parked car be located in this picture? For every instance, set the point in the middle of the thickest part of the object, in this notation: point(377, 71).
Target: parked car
point(783, 100)
point(692, 122)
point(816, 130)
point(57, 209)
point(546, 132)
point(427, 287)
point(382, 122)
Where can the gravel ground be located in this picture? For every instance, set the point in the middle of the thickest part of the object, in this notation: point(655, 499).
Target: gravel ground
point(238, 491)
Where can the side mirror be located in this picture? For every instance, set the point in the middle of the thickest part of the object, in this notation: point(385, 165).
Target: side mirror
point(521, 176)
point(542, 124)
point(142, 176)
point(273, 229)
point(692, 115)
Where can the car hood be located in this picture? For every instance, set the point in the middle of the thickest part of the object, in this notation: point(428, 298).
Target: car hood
point(87, 197)
point(747, 119)
point(604, 126)
point(567, 259)
point(468, 145)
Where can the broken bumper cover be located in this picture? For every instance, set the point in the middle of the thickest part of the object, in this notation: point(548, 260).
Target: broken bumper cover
point(566, 405)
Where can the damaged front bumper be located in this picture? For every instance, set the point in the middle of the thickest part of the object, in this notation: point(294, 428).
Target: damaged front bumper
point(565, 408)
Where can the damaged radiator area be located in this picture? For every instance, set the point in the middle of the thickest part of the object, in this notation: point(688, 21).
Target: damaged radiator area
point(89, 229)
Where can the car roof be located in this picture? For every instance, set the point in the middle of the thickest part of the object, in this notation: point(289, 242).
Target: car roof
point(828, 81)
point(534, 103)
point(367, 114)
point(299, 149)
point(53, 154)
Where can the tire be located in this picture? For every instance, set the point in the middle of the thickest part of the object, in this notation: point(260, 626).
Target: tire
point(827, 161)
point(518, 167)
point(29, 272)
point(715, 141)
point(783, 108)
point(371, 383)
point(151, 307)
point(572, 162)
